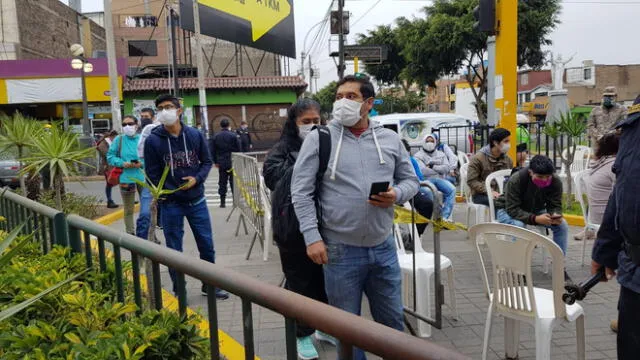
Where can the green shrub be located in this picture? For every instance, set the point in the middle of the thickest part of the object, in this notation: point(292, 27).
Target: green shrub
point(83, 320)
point(83, 205)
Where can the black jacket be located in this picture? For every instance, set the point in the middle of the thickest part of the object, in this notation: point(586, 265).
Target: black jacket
point(222, 145)
point(621, 221)
point(523, 201)
point(245, 139)
point(277, 172)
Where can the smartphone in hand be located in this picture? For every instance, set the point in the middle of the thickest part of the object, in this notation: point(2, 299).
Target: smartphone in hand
point(378, 187)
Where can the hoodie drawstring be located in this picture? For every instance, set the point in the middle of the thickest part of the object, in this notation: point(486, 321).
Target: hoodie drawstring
point(170, 158)
point(339, 147)
point(186, 150)
point(335, 161)
point(375, 140)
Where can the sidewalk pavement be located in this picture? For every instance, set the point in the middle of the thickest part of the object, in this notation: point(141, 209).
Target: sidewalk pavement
point(465, 335)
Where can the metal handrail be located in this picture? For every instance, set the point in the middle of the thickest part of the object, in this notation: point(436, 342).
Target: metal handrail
point(350, 329)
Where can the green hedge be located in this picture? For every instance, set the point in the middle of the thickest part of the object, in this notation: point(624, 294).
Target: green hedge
point(83, 320)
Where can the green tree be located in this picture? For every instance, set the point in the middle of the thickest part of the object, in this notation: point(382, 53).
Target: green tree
point(60, 152)
point(16, 135)
point(396, 101)
point(572, 127)
point(326, 97)
point(390, 71)
point(445, 41)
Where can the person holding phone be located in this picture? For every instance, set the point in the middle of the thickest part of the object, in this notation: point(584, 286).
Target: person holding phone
point(353, 235)
point(123, 153)
point(533, 196)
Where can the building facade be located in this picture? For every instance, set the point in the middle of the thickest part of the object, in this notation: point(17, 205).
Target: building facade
point(142, 36)
point(44, 29)
point(260, 101)
point(49, 89)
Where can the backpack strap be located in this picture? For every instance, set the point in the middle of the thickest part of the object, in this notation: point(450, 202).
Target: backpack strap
point(324, 150)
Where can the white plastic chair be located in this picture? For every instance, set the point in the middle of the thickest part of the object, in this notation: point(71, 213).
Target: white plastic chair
point(500, 178)
point(513, 294)
point(580, 161)
point(480, 210)
point(462, 158)
point(580, 186)
point(425, 268)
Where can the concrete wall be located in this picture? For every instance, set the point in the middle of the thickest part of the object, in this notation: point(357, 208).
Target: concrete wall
point(48, 27)
point(222, 57)
point(9, 34)
point(626, 78)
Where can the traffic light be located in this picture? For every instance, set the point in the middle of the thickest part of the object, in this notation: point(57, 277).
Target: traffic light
point(485, 15)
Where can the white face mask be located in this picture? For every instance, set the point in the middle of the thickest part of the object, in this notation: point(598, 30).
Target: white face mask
point(505, 148)
point(129, 130)
point(168, 117)
point(304, 130)
point(346, 112)
point(429, 146)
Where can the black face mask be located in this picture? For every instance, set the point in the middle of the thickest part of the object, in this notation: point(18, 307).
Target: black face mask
point(144, 122)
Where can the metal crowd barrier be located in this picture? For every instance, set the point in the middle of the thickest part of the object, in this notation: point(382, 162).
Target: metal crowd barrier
point(350, 329)
point(251, 199)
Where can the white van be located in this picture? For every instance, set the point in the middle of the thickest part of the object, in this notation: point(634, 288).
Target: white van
point(455, 130)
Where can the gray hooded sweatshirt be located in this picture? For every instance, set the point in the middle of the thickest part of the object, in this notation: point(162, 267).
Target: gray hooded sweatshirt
point(354, 164)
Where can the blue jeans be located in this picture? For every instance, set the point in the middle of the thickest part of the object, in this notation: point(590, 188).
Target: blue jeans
point(451, 179)
point(197, 215)
point(448, 195)
point(144, 216)
point(560, 232)
point(375, 271)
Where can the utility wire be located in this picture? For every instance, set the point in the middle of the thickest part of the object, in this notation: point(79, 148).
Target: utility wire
point(133, 6)
point(366, 12)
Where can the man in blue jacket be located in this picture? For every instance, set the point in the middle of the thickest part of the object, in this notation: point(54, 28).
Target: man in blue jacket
point(222, 145)
point(618, 243)
point(184, 150)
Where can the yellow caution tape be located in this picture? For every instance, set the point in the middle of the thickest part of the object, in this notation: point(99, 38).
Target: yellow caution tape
point(240, 184)
point(403, 216)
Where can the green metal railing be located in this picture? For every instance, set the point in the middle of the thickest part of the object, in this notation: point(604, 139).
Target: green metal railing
point(54, 228)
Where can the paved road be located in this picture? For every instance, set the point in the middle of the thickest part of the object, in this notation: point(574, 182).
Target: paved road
point(464, 335)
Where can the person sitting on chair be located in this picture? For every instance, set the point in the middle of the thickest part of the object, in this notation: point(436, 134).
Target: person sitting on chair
point(533, 196)
point(490, 158)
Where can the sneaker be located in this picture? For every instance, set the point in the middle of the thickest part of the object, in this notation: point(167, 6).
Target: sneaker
point(320, 336)
point(306, 350)
point(579, 236)
point(111, 205)
point(220, 294)
point(614, 326)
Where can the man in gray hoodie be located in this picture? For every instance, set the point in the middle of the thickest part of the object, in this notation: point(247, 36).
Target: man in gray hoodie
point(353, 237)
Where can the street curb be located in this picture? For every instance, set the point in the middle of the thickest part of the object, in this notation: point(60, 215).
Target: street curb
point(114, 216)
point(574, 220)
point(84, 178)
point(230, 349)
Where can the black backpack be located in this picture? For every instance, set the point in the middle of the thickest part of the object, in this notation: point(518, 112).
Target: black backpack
point(284, 220)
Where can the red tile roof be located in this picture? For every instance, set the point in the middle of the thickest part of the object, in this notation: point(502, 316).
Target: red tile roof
point(263, 82)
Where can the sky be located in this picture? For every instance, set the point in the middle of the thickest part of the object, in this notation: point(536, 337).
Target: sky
point(598, 30)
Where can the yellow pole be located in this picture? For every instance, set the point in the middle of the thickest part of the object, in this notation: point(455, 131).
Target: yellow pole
point(507, 67)
point(355, 64)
